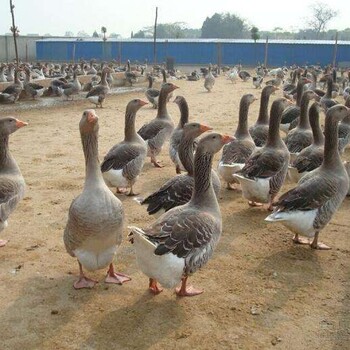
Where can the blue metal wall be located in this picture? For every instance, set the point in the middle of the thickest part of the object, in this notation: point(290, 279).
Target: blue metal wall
point(193, 52)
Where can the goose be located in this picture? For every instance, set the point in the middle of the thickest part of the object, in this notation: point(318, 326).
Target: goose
point(301, 136)
point(347, 168)
point(97, 94)
point(170, 95)
point(233, 75)
point(291, 114)
point(158, 130)
point(307, 208)
point(183, 239)
point(344, 130)
point(32, 89)
point(260, 129)
point(178, 190)
point(327, 100)
point(3, 78)
point(129, 75)
point(310, 157)
point(277, 82)
point(244, 75)
point(14, 90)
point(257, 81)
point(175, 137)
point(12, 184)
point(123, 163)
point(236, 153)
point(289, 88)
point(94, 227)
point(264, 172)
point(70, 89)
point(151, 93)
point(209, 80)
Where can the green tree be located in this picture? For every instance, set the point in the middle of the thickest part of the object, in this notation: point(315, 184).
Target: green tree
point(95, 34)
point(224, 26)
point(254, 31)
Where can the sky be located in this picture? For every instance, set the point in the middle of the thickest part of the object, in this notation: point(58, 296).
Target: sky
point(122, 17)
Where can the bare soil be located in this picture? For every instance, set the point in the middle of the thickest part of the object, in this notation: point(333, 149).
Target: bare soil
point(260, 290)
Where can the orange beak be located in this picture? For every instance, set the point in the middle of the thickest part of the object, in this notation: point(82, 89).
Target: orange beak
point(142, 103)
point(19, 123)
point(204, 128)
point(174, 87)
point(92, 117)
point(226, 139)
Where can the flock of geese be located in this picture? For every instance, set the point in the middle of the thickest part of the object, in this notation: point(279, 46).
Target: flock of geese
point(188, 226)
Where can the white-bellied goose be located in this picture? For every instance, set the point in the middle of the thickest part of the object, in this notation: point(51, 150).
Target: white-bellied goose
point(123, 163)
point(151, 93)
point(291, 114)
point(176, 135)
point(310, 157)
point(178, 190)
point(12, 184)
point(32, 89)
point(307, 208)
point(94, 229)
point(264, 172)
point(260, 129)
point(98, 93)
point(301, 136)
point(70, 89)
point(183, 239)
point(209, 80)
point(237, 152)
point(158, 130)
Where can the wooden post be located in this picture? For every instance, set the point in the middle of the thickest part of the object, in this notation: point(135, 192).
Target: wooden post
point(219, 58)
point(155, 38)
point(266, 47)
point(73, 53)
point(335, 49)
point(14, 31)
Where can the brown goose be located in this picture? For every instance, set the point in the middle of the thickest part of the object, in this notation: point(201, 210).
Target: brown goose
point(12, 184)
point(97, 94)
point(291, 114)
point(310, 157)
point(178, 190)
point(264, 172)
point(183, 239)
point(327, 100)
point(301, 136)
point(14, 90)
point(307, 208)
point(151, 93)
point(209, 80)
point(260, 129)
point(158, 130)
point(176, 135)
point(344, 130)
point(123, 163)
point(170, 95)
point(237, 152)
point(94, 228)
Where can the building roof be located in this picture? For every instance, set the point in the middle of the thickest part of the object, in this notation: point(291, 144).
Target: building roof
point(238, 41)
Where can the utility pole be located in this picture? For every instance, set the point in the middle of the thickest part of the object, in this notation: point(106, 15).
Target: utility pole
point(155, 38)
point(14, 31)
point(335, 49)
point(266, 47)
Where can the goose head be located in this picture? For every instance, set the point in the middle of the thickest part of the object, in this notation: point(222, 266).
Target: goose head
point(9, 125)
point(89, 122)
point(193, 130)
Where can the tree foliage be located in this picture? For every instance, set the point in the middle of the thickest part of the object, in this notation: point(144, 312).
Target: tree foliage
point(321, 15)
point(95, 34)
point(224, 26)
point(168, 31)
point(254, 32)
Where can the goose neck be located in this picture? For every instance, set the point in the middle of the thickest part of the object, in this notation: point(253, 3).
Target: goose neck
point(183, 106)
point(331, 154)
point(263, 111)
point(242, 128)
point(185, 152)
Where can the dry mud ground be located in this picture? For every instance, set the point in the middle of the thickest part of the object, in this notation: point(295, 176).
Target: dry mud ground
point(260, 291)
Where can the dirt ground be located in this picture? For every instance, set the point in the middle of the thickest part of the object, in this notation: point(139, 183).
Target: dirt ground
point(260, 290)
